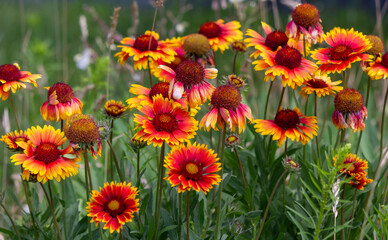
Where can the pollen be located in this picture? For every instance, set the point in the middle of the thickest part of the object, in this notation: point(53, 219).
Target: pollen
point(63, 91)
point(276, 39)
point(287, 119)
point(159, 88)
point(113, 205)
point(83, 130)
point(340, 52)
point(305, 15)
point(143, 43)
point(348, 100)
point(192, 168)
point(190, 73)
point(197, 44)
point(47, 153)
point(210, 30)
point(9, 72)
point(165, 122)
point(288, 57)
point(226, 96)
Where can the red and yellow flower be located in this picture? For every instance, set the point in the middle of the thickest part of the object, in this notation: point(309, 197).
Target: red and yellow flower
point(288, 124)
point(44, 155)
point(61, 103)
point(144, 46)
point(114, 205)
point(306, 21)
point(346, 47)
point(114, 109)
point(189, 77)
point(164, 120)
point(321, 85)
point(192, 167)
point(227, 109)
point(221, 35)
point(378, 69)
point(288, 63)
point(355, 168)
point(349, 110)
point(12, 138)
point(11, 78)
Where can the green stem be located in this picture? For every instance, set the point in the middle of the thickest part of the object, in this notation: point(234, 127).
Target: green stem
point(28, 200)
point(10, 218)
point(324, 120)
point(188, 215)
point(305, 113)
point(121, 235)
point(241, 167)
point(320, 217)
point(219, 142)
point(281, 98)
point(354, 202)
point(366, 105)
point(88, 169)
point(138, 165)
point(382, 125)
point(111, 151)
point(14, 111)
point(268, 204)
point(234, 62)
point(159, 190)
point(149, 70)
point(87, 193)
point(304, 46)
point(211, 138)
point(337, 138)
point(344, 78)
point(116, 162)
point(218, 211)
point(267, 100)
point(100, 230)
point(63, 185)
point(316, 138)
point(50, 203)
point(342, 137)
point(180, 216)
point(342, 213)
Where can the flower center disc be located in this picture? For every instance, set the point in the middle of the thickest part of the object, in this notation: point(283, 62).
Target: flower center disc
point(287, 119)
point(165, 122)
point(83, 131)
point(305, 15)
point(192, 171)
point(143, 42)
point(159, 88)
point(210, 30)
point(340, 52)
point(276, 39)
point(317, 83)
point(288, 57)
point(63, 91)
point(9, 72)
point(190, 73)
point(348, 101)
point(226, 96)
point(384, 60)
point(235, 81)
point(47, 153)
point(114, 207)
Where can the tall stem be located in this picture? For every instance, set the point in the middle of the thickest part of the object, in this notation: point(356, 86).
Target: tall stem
point(88, 169)
point(14, 111)
point(116, 162)
point(188, 215)
point(138, 165)
point(342, 212)
point(51, 207)
point(180, 216)
point(317, 138)
point(281, 98)
point(366, 105)
point(304, 46)
point(218, 211)
point(87, 194)
point(63, 185)
point(269, 203)
point(28, 200)
point(149, 70)
point(159, 190)
point(305, 113)
point(382, 125)
point(10, 218)
point(344, 78)
point(111, 151)
point(241, 167)
point(267, 100)
point(234, 62)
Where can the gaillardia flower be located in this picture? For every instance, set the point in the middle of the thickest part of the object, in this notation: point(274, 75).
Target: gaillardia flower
point(83, 133)
point(114, 205)
point(320, 85)
point(11, 78)
point(239, 46)
point(306, 21)
point(12, 138)
point(290, 165)
point(196, 45)
point(377, 45)
point(349, 110)
point(142, 47)
point(226, 109)
point(114, 109)
point(61, 103)
point(44, 156)
point(346, 47)
point(355, 168)
point(288, 124)
point(189, 77)
point(235, 81)
point(164, 120)
point(221, 35)
point(232, 140)
point(379, 68)
point(192, 167)
point(287, 62)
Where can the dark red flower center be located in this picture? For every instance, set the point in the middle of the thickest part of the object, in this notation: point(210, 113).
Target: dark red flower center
point(287, 119)
point(114, 207)
point(9, 72)
point(340, 52)
point(142, 43)
point(63, 91)
point(384, 60)
point(47, 153)
point(165, 122)
point(191, 170)
point(305, 15)
point(276, 39)
point(83, 131)
point(226, 96)
point(190, 73)
point(348, 100)
point(159, 88)
point(210, 30)
point(317, 83)
point(288, 57)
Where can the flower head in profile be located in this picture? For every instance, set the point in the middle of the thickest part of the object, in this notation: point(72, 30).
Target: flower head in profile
point(192, 167)
point(232, 140)
point(164, 120)
point(114, 109)
point(239, 46)
point(235, 81)
point(45, 156)
point(189, 77)
point(114, 205)
point(305, 21)
point(290, 124)
point(83, 133)
point(321, 85)
point(349, 110)
point(29, 177)
point(378, 69)
point(345, 47)
point(221, 35)
point(144, 46)
point(11, 78)
point(288, 63)
point(12, 138)
point(354, 168)
point(61, 103)
point(226, 110)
